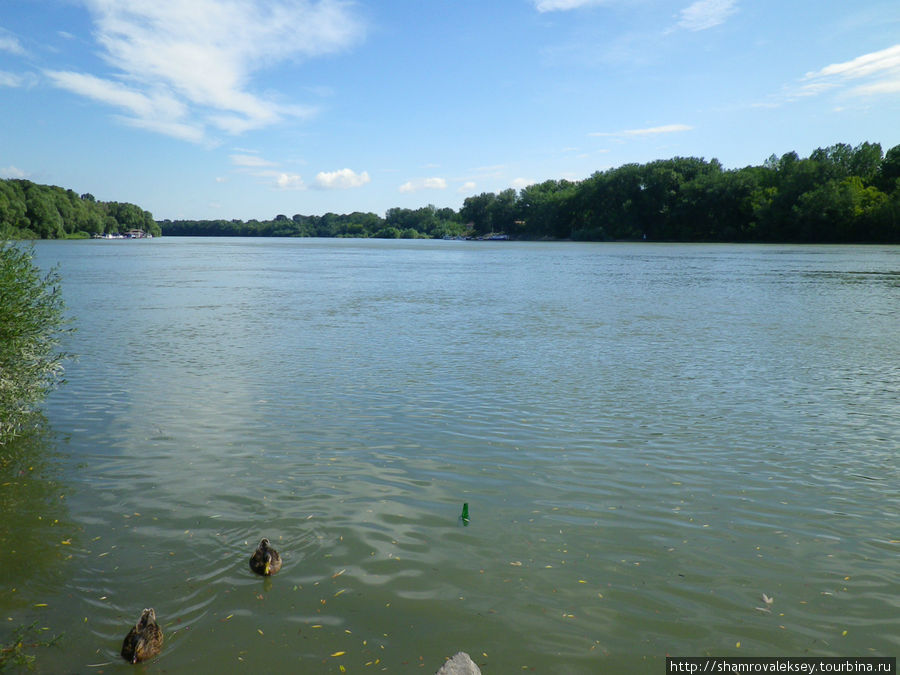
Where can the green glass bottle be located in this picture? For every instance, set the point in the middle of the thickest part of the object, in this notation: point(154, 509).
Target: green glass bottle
point(464, 517)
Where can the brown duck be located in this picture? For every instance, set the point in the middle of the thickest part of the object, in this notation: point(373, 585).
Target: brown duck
point(265, 560)
point(144, 640)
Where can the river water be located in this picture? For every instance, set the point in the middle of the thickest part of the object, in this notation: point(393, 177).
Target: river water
point(648, 437)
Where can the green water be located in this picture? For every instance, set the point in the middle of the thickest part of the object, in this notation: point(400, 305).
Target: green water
point(649, 437)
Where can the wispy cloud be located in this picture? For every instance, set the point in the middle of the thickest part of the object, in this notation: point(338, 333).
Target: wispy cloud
point(871, 74)
point(10, 43)
point(8, 79)
point(424, 184)
point(252, 164)
point(246, 160)
point(704, 14)
point(564, 5)
point(649, 131)
point(341, 180)
point(157, 110)
point(193, 62)
point(468, 186)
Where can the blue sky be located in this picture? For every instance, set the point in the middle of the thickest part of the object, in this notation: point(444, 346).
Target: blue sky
point(253, 108)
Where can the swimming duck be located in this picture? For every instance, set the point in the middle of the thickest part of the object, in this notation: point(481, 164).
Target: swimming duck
point(265, 560)
point(144, 640)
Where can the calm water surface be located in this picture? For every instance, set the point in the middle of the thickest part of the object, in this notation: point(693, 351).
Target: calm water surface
point(649, 437)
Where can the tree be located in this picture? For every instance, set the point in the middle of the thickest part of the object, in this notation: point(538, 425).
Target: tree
point(478, 211)
point(889, 170)
point(31, 326)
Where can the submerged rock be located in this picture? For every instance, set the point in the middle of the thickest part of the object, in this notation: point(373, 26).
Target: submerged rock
point(460, 664)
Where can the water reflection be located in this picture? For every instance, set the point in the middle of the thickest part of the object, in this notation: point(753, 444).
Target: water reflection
point(36, 537)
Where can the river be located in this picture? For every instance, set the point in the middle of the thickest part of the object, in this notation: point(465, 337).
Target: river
point(649, 437)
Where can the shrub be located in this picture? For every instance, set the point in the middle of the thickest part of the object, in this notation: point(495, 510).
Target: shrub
point(32, 323)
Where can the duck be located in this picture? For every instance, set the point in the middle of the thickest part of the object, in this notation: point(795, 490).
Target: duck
point(144, 640)
point(265, 560)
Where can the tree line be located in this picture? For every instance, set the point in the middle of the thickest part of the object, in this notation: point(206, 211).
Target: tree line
point(427, 222)
point(839, 194)
point(32, 211)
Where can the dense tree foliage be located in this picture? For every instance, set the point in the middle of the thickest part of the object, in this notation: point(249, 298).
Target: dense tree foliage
point(425, 222)
point(32, 211)
point(31, 325)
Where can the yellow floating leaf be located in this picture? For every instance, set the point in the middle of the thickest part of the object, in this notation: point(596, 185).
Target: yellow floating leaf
point(844, 633)
point(339, 592)
point(515, 563)
point(66, 542)
point(582, 581)
point(259, 631)
point(737, 644)
point(339, 653)
point(41, 604)
point(229, 616)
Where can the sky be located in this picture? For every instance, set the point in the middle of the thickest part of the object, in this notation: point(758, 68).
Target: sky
point(222, 109)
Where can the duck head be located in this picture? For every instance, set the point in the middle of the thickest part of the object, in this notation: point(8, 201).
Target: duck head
point(148, 618)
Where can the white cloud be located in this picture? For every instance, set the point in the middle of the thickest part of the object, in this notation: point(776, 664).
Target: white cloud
point(289, 181)
point(341, 179)
point(468, 186)
point(203, 54)
point(870, 74)
point(12, 172)
point(424, 184)
point(649, 131)
point(519, 183)
point(704, 14)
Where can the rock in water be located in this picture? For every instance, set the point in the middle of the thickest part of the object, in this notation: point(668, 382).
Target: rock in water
point(460, 664)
